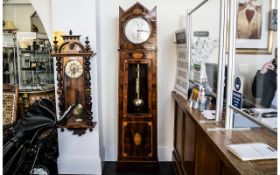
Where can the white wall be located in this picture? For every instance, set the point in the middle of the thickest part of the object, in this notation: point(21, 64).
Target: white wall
point(20, 11)
point(19, 14)
point(171, 16)
point(44, 11)
point(201, 21)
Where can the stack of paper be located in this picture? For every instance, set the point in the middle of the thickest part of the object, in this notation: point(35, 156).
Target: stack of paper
point(253, 151)
point(209, 114)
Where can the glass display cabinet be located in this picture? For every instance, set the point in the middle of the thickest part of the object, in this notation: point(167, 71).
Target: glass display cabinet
point(35, 68)
point(9, 59)
point(35, 65)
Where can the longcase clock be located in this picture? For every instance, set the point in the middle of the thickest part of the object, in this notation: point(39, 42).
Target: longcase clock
point(74, 82)
point(137, 113)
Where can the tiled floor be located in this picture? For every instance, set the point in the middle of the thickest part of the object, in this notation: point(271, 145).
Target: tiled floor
point(164, 168)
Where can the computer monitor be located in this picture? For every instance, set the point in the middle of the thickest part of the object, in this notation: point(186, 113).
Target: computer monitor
point(212, 76)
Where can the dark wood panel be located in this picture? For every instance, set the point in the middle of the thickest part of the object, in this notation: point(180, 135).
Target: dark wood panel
point(177, 163)
point(137, 139)
point(226, 171)
point(189, 145)
point(179, 143)
point(207, 160)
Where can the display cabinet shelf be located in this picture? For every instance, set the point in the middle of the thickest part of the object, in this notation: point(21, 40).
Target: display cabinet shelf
point(35, 69)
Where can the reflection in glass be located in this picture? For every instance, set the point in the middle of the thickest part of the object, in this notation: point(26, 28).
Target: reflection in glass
point(265, 84)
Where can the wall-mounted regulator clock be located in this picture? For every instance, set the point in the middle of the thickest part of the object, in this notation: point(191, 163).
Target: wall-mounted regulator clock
point(137, 136)
point(74, 86)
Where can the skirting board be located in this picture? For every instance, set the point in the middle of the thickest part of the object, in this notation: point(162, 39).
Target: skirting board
point(79, 165)
point(164, 153)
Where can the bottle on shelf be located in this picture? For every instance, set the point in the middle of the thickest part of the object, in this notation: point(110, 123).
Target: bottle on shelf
point(202, 100)
point(194, 96)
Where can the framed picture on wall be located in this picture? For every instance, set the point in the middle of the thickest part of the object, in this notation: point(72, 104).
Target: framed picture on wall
point(273, 20)
point(253, 35)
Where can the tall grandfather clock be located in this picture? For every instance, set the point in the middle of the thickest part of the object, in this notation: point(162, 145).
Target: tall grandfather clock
point(137, 122)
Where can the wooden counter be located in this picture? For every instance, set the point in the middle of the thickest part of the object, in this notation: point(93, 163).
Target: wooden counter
point(200, 151)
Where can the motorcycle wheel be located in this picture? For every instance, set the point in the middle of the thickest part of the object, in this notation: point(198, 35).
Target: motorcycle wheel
point(40, 170)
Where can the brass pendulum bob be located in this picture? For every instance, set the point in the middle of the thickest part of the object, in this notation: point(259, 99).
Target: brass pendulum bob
point(138, 102)
point(77, 111)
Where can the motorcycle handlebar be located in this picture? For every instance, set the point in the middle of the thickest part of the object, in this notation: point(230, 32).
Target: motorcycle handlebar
point(66, 115)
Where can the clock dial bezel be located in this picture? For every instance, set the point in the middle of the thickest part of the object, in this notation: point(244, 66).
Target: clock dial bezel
point(79, 73)
point(126, 34)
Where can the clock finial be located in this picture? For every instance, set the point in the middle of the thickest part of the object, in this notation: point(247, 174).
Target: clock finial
point(87, 44)
point(70, 32)
point(55, 44)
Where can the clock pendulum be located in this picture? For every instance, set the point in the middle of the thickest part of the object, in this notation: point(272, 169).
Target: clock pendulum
point(138, 102)
point(78, 110)
point(74, 70)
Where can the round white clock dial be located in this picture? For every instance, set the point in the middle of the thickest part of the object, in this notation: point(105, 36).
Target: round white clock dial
point(137, 30)
point(73, 69)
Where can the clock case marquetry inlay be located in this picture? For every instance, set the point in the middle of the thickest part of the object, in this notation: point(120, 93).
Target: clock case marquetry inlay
point(74, 87)
point(137, 135)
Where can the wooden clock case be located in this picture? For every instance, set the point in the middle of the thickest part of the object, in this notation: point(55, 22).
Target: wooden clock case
point(137, 134)
point(74, 90)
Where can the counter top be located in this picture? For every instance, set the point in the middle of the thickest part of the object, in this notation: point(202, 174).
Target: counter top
point(221, 138)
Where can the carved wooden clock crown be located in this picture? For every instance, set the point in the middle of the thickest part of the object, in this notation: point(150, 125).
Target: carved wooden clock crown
point(73, 82)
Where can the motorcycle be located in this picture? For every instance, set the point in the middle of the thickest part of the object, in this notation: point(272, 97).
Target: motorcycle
point(33, 146)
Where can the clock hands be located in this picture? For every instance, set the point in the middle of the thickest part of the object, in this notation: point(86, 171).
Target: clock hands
point(137, 30)
point(74, 69)
point(142, 30)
